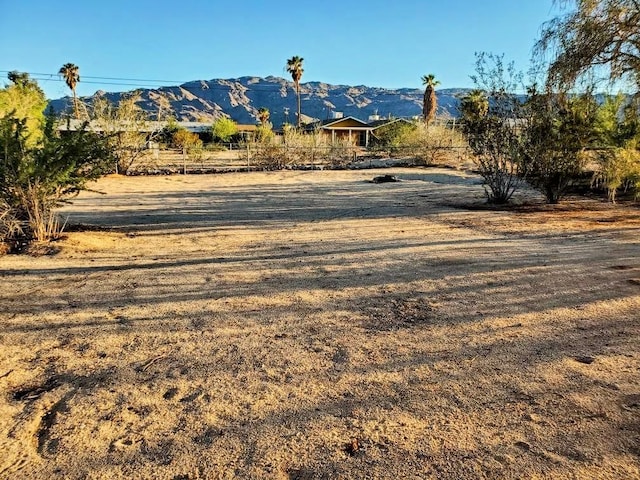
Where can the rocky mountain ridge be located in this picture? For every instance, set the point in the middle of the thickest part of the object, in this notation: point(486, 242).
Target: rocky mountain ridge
point(240, 99)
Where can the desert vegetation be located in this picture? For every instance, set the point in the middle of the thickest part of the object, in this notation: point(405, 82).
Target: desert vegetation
point(39, 168)
point(295, 69)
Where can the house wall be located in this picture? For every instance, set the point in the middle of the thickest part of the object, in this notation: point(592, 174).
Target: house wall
point(358, 137)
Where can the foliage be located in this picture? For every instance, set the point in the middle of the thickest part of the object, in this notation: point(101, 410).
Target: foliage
point(432, 144)
point(125, 127)
point(35, 179)
point(266, 153)
point(494, 138)
point(393, 135)
point(263, 115)
point(596, 37)
point(24, 99)
point(496, 146)
point(185, 139)
point(71, 75)
point(224, 129)
point(294, 67)
point(619, 168)
point(618, 127)
point(297, 149)
point(338, 153)
point(189, 142)
point(556, 131)
point(474, 106)
point(426, 144)
point(617, 123)
point(264, 133)
point(168, 131)
point(430, 100)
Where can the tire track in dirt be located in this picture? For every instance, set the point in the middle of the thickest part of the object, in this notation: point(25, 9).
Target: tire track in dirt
point(29, 439)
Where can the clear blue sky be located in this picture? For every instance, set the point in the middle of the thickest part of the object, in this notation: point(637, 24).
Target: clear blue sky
point(383, 43)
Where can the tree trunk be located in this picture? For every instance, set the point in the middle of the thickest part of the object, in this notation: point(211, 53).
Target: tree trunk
point(430, 104)
point(75, 104)
point(425, 106)
point(298, 93)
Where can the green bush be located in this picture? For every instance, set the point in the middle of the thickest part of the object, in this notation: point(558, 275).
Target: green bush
point(37, 176)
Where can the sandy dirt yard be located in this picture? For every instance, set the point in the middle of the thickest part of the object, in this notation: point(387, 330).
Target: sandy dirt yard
point(314, 325)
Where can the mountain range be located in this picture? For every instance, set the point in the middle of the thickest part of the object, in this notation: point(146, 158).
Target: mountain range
point(240, 99)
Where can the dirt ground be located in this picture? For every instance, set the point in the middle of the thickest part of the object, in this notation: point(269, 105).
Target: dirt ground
point(303, 325)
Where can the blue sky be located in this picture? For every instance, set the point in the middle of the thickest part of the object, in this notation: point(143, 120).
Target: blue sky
point(383, 43)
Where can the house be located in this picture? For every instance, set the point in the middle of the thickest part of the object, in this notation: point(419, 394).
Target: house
point(246, 131)
point(349, 129)
point(352, 129)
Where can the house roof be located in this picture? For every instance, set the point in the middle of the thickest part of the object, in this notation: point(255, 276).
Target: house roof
point(332, 122)
point(380, 123)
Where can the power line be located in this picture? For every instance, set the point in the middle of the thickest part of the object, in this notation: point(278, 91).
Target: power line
point(124, 81)
point(146, 80)
point(145, 83)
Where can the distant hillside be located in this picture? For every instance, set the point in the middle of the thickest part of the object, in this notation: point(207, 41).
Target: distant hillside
point(240, 99)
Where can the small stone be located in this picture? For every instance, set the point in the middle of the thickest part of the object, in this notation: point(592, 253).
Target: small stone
point(584, 359)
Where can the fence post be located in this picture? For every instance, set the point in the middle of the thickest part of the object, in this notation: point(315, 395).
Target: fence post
point(184, 161)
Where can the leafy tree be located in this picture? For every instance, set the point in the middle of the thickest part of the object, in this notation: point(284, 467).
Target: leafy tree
point(618, 128)
point(71, 75)
point(474, 106)
point(183, 138)
point(294, 67)
point(596, 36)
point(125, 126)
point(264, 133)
point(35, 179)
point(263, 115)
point(494, 138)
point(24, 99)
point(617, 123)
point(224, 129)
point(556, 131)
point(22, 79)
point(168, 131)
point(394, 136)
point(430, 101)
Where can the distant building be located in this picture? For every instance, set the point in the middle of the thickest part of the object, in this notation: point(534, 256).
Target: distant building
point(353, 130)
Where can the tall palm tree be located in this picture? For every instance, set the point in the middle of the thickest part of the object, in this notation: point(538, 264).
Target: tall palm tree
point(71, 75)
point(430, 102)
point(263, 115)
point(294, 67)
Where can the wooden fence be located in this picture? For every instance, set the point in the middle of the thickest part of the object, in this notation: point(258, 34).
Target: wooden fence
point(256, 157)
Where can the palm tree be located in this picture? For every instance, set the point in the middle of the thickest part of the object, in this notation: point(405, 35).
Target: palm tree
point(294, 67)
point(263, 115)
point(71, 75)
point(430, 102)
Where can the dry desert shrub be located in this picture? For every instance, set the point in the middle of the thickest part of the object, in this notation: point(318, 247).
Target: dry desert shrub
point(422, 143)
point(9, 225)
point(433, 144)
